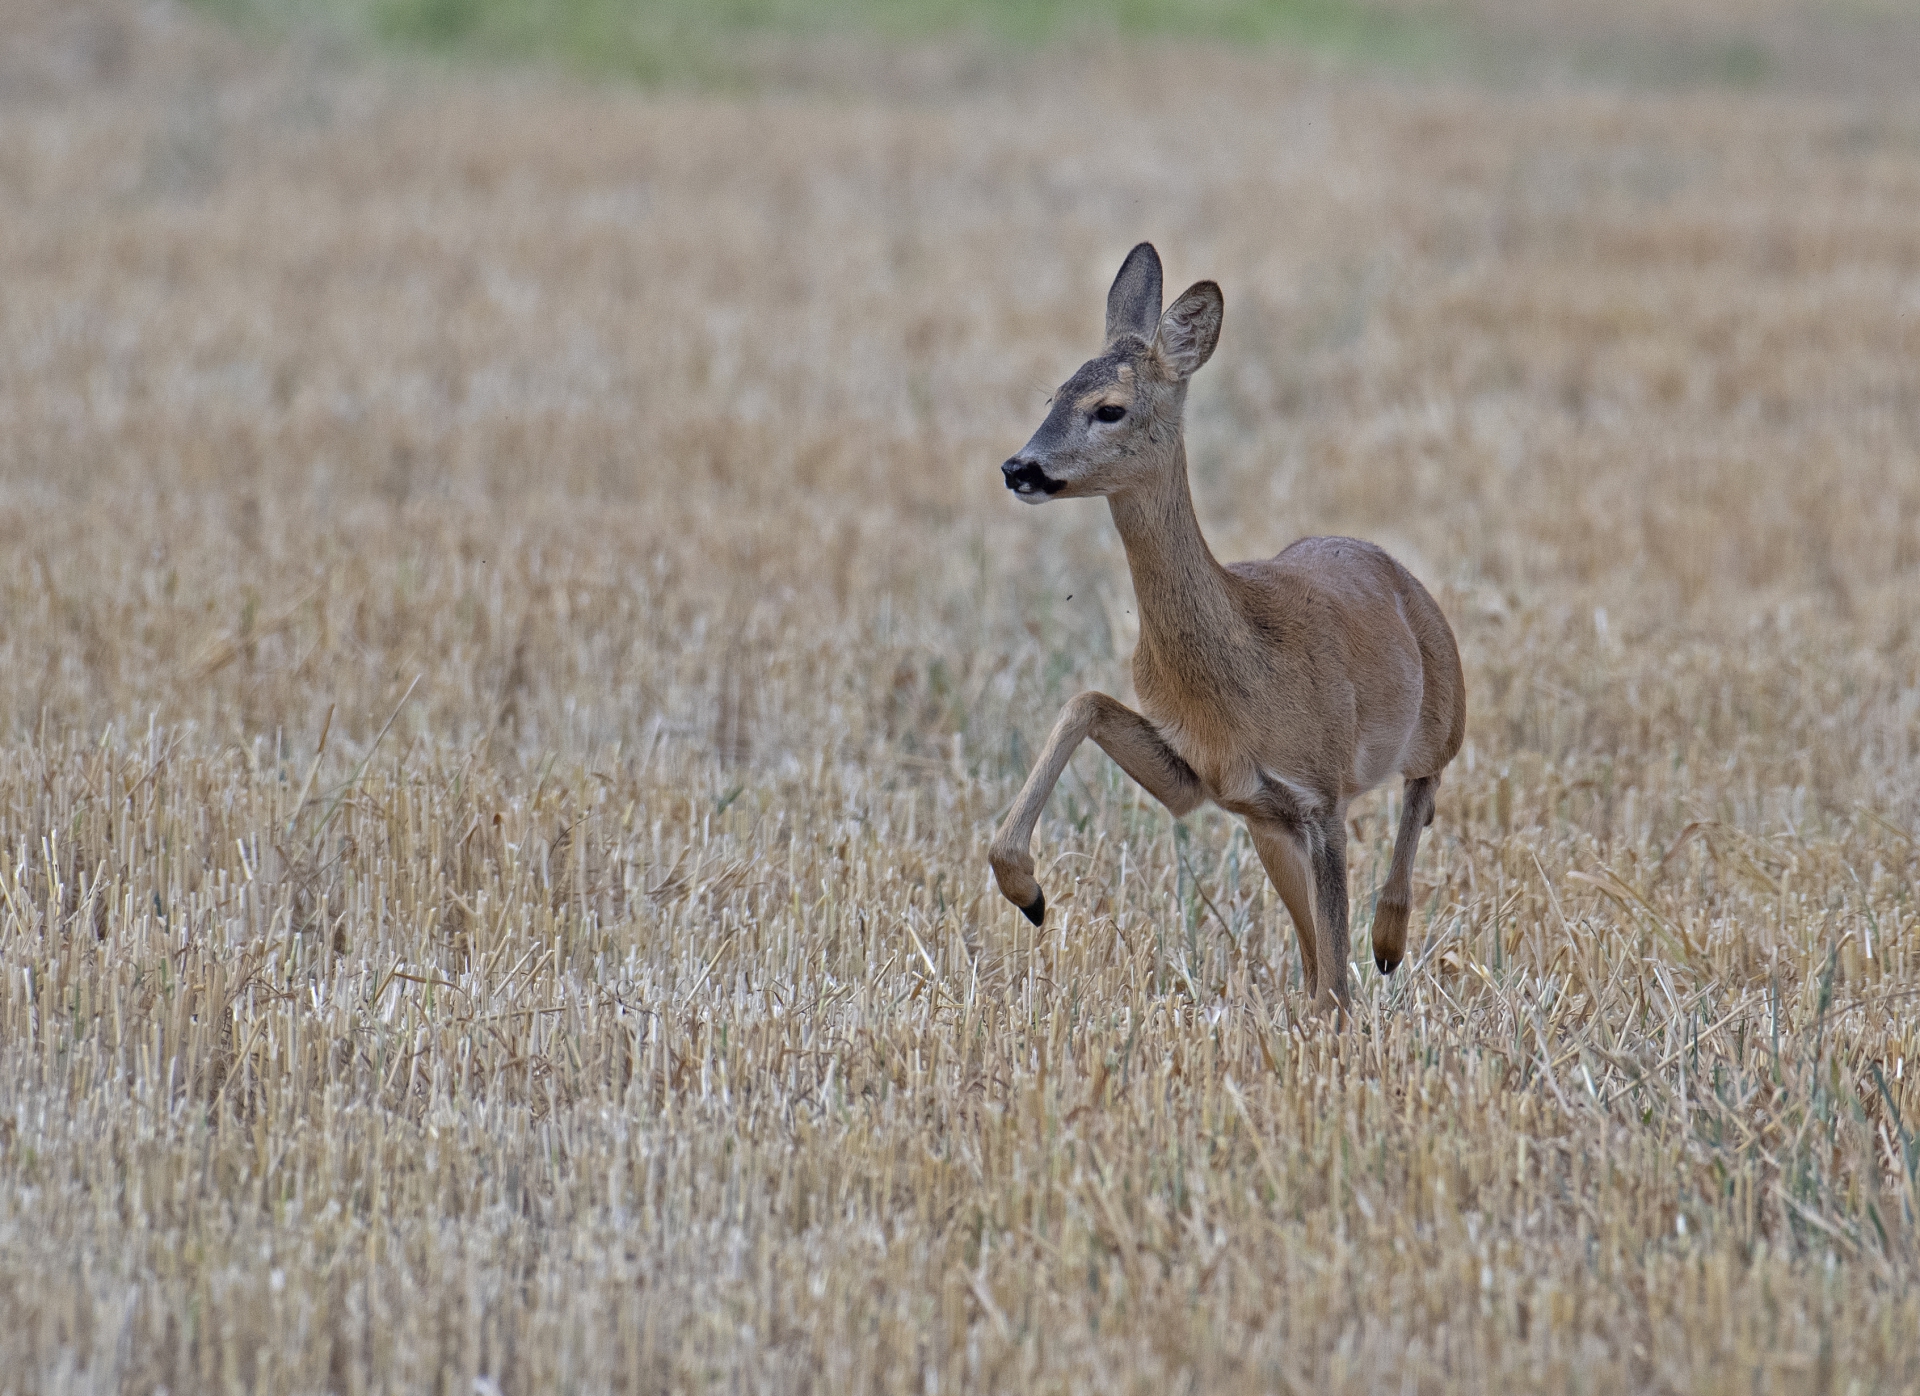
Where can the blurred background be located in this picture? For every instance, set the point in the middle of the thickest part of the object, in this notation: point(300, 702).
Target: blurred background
point(1833, 44)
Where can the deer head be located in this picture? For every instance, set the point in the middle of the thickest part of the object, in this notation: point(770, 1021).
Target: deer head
point(1115, 424)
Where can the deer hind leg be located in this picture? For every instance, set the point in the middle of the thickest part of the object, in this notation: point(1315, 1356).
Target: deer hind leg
point(1284, 855)
point(1133, 744)
point(1396, 898)
point(1330, 909)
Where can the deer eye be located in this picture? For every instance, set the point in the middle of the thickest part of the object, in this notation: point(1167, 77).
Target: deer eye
point(1110, 412)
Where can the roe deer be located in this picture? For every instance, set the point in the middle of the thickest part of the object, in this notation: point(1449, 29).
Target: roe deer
point(1279, 689)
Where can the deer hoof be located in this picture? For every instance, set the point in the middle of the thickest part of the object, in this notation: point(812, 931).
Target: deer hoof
point(1037, 912)
point(1014, 872)
point(1389, 934)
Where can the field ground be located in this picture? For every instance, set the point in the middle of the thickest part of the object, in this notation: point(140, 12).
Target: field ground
point(512, 643)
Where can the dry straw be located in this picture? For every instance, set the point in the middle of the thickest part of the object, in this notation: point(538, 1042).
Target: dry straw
point(637, 1014)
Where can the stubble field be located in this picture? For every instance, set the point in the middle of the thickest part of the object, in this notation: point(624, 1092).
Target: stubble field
point(512, 644)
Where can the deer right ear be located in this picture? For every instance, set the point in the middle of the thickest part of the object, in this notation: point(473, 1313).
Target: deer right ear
point(1190, 329)
point(1133, 304)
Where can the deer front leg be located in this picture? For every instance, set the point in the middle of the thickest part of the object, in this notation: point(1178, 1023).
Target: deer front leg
point(1133, 744)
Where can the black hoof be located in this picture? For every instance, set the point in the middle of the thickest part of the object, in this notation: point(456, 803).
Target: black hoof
point(1038, 911)
point(1387, 964)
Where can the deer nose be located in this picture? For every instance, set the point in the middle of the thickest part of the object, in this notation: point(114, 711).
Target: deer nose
point(1026, 477)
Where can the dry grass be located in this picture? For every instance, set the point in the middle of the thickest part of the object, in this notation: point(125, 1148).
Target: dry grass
point(628, 1007)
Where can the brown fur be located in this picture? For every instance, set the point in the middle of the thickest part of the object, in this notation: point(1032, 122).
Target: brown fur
point(1279, 689)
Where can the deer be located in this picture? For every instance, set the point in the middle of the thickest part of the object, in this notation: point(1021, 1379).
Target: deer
point(1280, 689)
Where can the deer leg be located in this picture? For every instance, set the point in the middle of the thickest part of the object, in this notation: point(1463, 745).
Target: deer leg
point(1396, 898)
point(1285, 857)
point(1133, 744)
point(1330, 908)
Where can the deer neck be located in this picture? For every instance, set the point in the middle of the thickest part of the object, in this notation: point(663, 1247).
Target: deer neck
point(1186, 606)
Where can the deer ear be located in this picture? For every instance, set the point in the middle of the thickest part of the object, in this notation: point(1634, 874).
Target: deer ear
point(1190, 329)
point(1133, 305)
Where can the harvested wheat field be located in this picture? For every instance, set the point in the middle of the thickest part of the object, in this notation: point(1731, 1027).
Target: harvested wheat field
point(513, 643)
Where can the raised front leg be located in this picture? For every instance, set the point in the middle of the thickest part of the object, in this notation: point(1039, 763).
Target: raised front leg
point(1133, 744)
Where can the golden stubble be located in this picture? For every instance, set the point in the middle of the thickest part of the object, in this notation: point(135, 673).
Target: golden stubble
point(615, 997)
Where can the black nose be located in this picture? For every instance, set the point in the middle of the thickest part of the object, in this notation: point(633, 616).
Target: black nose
point(1026, 477)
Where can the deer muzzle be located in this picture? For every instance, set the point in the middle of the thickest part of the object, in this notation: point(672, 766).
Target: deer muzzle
point(1026, 479)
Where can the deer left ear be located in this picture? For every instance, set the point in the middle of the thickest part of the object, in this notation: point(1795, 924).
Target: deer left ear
point(1133, 304)
point(1189, 330)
